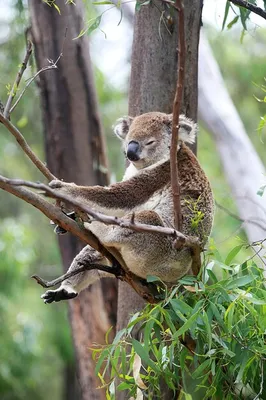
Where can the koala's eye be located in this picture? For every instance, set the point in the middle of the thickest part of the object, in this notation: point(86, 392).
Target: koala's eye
point(150, 142)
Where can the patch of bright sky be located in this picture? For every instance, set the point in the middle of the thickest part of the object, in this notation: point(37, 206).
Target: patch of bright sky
point(110, 48)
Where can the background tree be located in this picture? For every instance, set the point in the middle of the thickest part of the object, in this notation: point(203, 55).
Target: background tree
point(75, 152)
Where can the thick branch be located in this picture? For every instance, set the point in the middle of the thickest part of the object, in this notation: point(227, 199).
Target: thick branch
point(147, 291)
point(26, 148)
point(181, 239)
point(17, 80)
point(176, 112)
point(251, 7)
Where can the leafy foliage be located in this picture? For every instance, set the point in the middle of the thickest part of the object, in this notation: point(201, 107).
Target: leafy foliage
point(241, 14)
point(205, 340)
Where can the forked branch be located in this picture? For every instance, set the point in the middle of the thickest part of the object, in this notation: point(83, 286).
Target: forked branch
point(15, 86)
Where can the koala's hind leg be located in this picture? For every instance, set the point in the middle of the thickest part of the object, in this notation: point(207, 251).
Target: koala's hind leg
point(145, 253)
point(71, 287)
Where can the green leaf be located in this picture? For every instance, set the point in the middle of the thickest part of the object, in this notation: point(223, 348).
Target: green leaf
point(188, 280)
point(238, 282)
point(152, 278)
point(139, 4)
point(57, 8)
point(99, 3)
point(107, 334)
point(147, 333)
point(123, 386)
point(201, 369)
point(180, 305)
point(119, 335)
point(242, 36)
point(244, 361)
point(233, 253)
point(212, 275)
point(187, 396)
point(94, 25)
point(229, 314)
point(100, 361)
point(261, 190)
point(208, 328)
point(144, 355)
point(244, 15)
point(227, 6)
point(217, 314)
point(187, 325)
point(233, 22)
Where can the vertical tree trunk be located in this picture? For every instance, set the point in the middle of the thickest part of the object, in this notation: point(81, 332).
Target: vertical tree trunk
point(153, 85)
point(75, 152)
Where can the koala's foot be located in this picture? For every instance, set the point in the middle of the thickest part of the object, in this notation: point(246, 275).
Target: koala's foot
point(62, 293)
point(58, 229)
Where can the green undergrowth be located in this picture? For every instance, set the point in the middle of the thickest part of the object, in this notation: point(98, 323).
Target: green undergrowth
point(205, 340)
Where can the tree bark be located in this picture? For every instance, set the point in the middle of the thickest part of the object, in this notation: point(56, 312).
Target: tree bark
point(243, 168)
point(152, 88)
point(75, 152)
point(153, 84)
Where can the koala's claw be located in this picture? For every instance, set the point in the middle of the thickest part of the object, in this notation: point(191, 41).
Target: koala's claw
point(57, 295)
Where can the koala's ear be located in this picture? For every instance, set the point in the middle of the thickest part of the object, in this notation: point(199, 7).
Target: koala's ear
point(121, 127)
point(167, 119)
point(188, 129)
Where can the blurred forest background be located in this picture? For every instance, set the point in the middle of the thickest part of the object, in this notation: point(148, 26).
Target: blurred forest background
point(35, 341)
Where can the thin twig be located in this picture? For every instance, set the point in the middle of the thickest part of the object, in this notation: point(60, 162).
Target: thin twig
point(52, 65)
point(251, 7)
point(47, 68)
point(26, 148)
point(176, 111)
point(247, 221)
point(15, 86)
point(47, 284)
point(180, 238)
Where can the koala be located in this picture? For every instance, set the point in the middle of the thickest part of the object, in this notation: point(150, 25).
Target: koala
point(145, 191)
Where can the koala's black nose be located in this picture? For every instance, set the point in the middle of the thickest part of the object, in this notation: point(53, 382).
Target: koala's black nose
point(133, 151)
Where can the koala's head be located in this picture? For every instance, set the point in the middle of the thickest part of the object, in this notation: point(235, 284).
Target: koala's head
point(147, 138)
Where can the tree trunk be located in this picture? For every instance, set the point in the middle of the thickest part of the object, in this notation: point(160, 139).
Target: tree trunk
point(242, 165)
point(153, 85)
point(75, 152)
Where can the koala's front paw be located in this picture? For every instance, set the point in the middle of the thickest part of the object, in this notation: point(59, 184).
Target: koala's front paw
point(56, 184)
point(62, 293)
